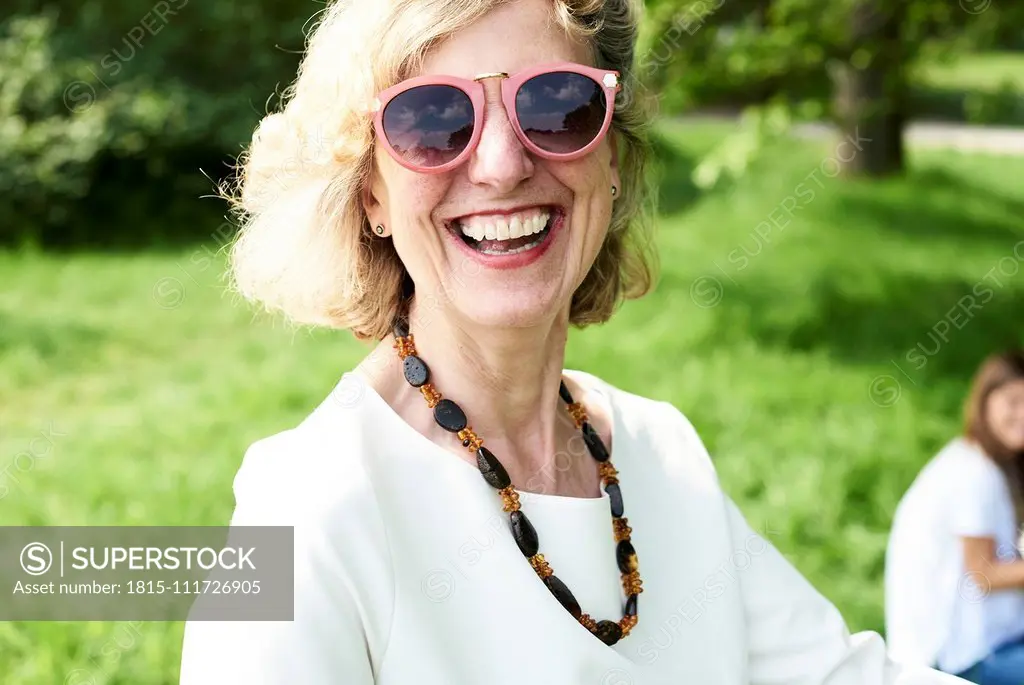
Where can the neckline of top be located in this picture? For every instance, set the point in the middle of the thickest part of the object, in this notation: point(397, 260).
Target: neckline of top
point(578, 376)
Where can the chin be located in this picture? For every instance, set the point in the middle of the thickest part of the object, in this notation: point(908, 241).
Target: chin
point(1013, 442)
point(1016, 445)
point(508, 309)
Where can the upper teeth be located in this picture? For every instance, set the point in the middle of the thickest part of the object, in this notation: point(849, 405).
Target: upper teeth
point(504, 227)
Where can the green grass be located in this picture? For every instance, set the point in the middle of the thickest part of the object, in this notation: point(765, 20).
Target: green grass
point(773, 359)
point(976, 88)
point(985, 71)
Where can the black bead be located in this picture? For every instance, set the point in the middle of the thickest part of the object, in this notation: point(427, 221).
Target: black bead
point(615, 495)
point(564, 596)
point(608, 632)
point(416, 371)
point(524, 533)
point(465, 443)
point(564, 393)
point(449, 416)
point(491, 469)
point(594, 443)
point(625, 555)
point(400, 328)
point(630, 606)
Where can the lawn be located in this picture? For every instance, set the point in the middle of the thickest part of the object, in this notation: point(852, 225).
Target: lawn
point(986, 71)
point(977, 88)
point(785, 326)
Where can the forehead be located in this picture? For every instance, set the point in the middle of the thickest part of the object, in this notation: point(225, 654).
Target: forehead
point(511, 37)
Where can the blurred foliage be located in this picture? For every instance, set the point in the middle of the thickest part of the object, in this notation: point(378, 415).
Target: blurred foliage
point(109, 110)
point(852, 62)
point(731, 158)
point(117, 117)
point(700, 53)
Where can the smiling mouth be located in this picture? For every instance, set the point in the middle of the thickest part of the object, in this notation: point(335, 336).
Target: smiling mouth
point(506, 234)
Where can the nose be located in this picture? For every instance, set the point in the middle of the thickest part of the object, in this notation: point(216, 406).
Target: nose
point(499, 160)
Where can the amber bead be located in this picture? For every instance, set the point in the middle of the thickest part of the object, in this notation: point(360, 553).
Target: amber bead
point(449, 416)
point(416, 371)
point(594, 443)
point(626, 556)
point(631, 583)
point(491, 469)
point(509, 498)
point(622, 529)
point(608, 632)
point(524, 533)
point(578, 414)
point(607, 472)
point(541, 566)
point(615, 495)
point(564, 596)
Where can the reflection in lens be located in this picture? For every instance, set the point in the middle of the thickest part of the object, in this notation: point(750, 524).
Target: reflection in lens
point(429, 125)
point(561, 112)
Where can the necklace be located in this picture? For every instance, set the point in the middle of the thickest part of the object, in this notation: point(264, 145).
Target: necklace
point(450, 416)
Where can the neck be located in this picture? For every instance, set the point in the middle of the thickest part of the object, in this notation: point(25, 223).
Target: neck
point(506, 381)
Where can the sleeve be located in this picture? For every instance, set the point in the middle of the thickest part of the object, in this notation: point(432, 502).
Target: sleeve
point(795, 636)
point(973, 506)
point(325, 643)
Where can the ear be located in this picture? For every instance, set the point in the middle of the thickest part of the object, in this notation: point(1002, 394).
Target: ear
point(372, 198)
point(613, 142)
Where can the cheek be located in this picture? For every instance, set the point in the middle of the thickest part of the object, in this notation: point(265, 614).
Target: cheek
point(593, 191)
point(409, 196)
point(1002, 420)
point(590, 182)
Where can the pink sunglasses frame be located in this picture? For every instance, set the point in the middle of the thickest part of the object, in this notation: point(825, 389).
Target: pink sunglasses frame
point(510, 85)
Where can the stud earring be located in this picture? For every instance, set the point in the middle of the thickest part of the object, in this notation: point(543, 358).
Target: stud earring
point(379, 230)
point(615, 191)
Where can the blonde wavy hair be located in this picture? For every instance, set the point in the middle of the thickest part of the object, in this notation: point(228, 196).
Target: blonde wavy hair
point(304, 247)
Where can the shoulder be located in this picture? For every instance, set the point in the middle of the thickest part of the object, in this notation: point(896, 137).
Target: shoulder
point(666, 434)
point(966, 466)
point(312, 469)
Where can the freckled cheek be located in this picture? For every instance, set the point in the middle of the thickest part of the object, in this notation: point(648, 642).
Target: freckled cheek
point(413, 203)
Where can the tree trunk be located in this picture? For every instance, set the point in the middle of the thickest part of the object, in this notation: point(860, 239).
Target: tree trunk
point(869, 91)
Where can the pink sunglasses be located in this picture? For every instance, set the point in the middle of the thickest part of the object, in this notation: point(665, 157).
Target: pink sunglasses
point(561, 111)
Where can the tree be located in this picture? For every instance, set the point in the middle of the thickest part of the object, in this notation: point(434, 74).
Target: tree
point(870, 89)
point(847, 61)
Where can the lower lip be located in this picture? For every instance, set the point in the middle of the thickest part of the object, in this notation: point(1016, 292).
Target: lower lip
point(513, 261)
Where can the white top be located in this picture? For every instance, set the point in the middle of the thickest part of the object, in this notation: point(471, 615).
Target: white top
point(935, 612)
point(406, 571)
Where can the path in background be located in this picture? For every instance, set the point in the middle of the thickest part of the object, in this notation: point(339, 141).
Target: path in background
point(960, 137)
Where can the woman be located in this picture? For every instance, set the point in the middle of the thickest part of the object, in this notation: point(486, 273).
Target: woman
point(954, 574)
point(460, 501)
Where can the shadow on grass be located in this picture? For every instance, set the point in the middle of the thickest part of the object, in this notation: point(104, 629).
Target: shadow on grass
point(943, 206)
point(930, 327)
point(931, 331)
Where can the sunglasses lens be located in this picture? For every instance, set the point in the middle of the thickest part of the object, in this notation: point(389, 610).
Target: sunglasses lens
point(429, 125)
point(561, 112)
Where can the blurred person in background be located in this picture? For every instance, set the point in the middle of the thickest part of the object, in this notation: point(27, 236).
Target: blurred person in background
point(954, 578)
point(482, 193)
